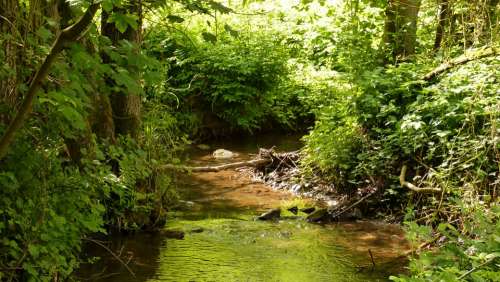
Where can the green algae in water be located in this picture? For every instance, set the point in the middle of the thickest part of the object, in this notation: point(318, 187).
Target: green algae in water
point(243, 250)
point(234, 247)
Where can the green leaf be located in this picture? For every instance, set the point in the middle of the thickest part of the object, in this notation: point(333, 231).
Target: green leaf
point(231, 31)
point(123, 21)
point(107, 6)
point(175, 19)
point(219, 7)
point(209, 37)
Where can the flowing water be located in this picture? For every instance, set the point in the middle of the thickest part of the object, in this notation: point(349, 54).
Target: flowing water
point(223, 242)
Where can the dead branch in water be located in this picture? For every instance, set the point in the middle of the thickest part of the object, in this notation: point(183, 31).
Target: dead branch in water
point(412, 187)
point(117, 257)
point(266, 157)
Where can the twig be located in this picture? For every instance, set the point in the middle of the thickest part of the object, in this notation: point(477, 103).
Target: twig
point(373, 261)
point(112, 253)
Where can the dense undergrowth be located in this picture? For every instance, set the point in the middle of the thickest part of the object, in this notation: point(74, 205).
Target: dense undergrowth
point(86, 160)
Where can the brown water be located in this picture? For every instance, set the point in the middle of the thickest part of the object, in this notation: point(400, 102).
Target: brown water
point(235, 247)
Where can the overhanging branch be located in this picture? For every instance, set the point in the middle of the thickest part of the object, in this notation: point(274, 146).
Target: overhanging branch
point(67, 35)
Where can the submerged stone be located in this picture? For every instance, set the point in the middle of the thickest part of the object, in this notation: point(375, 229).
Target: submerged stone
point(318, 215)
point(308, 210)
point(197, 230)
point(293, 210)
point(172, 233)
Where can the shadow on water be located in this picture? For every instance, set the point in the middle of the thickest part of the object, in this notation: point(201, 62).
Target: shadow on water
point(223, 242)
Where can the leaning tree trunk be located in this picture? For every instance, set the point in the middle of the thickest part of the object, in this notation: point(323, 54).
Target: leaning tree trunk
point(400, 31)
point(443, 16)
point(126, 106)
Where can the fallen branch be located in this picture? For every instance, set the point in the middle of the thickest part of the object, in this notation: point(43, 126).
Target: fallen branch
point(470, 56)
point(412, 187)
point(253, 163)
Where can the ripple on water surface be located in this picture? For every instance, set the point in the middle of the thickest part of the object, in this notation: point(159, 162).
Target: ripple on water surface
point(241, 250)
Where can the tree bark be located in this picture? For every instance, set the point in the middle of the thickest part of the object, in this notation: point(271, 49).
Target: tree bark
point(400, 31)
point(444, 11)
point(126, 106)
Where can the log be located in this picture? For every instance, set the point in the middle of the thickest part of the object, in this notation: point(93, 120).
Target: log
point(472, 55)
point(412, 187)
point(252, 163)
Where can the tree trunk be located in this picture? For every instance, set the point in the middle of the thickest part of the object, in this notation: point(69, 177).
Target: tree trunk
point(126, 106)
point(400, 31)
point(444, 11)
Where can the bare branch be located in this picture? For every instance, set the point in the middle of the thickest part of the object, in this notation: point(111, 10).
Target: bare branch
point(412, 187)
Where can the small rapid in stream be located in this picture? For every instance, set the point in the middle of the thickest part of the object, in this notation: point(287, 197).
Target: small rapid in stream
point(223, 242)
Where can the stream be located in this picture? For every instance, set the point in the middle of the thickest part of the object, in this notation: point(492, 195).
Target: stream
point(224, 242)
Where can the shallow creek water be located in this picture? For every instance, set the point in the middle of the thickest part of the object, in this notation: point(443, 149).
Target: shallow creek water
point(234, 247)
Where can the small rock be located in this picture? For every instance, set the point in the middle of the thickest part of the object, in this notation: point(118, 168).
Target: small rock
point(296, 188)
point(223, 154)
point(172, 234)
point(317, 215)
point(293, 210)
point(270, 215)
point(308, 210)
point(185, 205)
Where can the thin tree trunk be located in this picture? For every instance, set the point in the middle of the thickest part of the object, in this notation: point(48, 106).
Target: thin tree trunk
point(400, 31)
point(126, 106)
point(444, 7)
point(9, 12)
